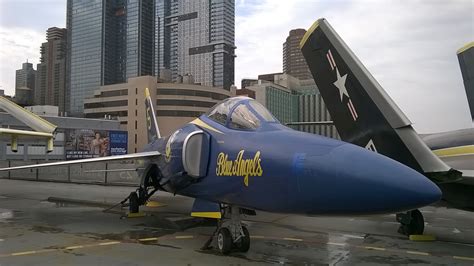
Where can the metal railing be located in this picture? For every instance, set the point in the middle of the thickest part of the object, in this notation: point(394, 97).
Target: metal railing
point(104, 173)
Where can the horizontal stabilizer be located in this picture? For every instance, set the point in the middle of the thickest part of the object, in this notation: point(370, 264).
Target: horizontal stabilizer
point(206, 209)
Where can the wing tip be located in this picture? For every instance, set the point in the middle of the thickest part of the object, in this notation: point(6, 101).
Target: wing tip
point(309, 32)
point(465, 47)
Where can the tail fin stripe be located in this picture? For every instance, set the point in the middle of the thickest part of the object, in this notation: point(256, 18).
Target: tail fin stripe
point(330, 62)
point(351, 105)
point(332, 58)
point(352, 111)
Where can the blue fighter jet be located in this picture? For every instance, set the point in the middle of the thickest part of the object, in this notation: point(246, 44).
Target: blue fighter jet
point(238, 159)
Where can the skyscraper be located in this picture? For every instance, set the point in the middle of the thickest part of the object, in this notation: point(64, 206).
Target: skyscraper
point(197, 37)
point(50, 85)
point(109, 42)
point(466, 63)
point(25, 84)
point(293, 60)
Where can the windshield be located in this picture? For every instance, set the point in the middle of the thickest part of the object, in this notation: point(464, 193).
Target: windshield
point(247, 114)
point(219, 112)
point(262, 111)
point(243, 118)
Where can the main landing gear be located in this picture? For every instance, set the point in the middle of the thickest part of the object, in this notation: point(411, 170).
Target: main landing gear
point(231, 233)
point(411, 223)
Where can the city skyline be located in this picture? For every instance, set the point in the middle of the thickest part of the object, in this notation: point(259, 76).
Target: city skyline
point(412, 53)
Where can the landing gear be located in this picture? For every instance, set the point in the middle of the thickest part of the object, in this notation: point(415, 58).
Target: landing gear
point(133, 202)
point(224, 240)
point(411, 223)
point(148, 186)
point(230, 233)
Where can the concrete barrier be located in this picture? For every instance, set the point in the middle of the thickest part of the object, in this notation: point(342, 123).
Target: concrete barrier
point(4, 164)
point(58, 173)
point(94, 173)
point(123, 177)
point(26, 174)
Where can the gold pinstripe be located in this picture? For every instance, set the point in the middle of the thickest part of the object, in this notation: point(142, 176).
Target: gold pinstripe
point(455, 151)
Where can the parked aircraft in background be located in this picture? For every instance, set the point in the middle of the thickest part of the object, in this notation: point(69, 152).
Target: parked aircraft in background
point(42, 128)
point(238, 158)
point(365, 115)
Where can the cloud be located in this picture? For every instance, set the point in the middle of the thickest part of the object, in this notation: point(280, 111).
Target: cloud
point(16, 46)
point(23, 25)
point(409, 47)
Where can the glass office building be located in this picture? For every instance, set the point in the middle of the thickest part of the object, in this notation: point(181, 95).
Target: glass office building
point(109, 42)
point(196, 37)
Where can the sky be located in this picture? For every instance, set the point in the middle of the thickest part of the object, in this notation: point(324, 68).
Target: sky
point(409, 46)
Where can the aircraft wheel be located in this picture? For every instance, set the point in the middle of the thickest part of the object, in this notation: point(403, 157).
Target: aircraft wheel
point(417, 224)
point(244, 242)
point(224, 241)
point(133, 200)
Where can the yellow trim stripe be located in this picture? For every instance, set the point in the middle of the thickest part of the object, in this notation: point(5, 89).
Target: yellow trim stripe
point(455, 151)
point(199, 122)
point(154, 204)
point(184, 237)
point(215, 215)
point(463, 258)
point(308, 33)
point(422, 238)
point(465, 47)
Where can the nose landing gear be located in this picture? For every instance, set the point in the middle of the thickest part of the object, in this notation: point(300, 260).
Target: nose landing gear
point(231, 233)
point(411, 223)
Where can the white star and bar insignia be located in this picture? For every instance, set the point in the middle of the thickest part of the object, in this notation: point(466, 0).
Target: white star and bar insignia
point(340, 84)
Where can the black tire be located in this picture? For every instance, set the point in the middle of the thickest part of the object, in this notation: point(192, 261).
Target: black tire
point(417, 223)
point(244, 242)
point(133, 200)
point(224, 241)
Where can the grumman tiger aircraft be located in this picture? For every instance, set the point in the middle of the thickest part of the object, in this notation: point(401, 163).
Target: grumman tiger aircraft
point(238, 158)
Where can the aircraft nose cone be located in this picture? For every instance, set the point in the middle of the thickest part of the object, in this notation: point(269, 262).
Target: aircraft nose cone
point(359, 181)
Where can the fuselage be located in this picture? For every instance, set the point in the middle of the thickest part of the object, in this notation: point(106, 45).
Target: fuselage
point(277, 169)
point(455, 148)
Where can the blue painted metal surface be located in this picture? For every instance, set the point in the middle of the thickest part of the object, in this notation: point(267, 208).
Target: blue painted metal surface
point(277, 169)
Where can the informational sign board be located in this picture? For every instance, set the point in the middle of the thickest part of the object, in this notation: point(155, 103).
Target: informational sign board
point(118, 142)
point(88, 143)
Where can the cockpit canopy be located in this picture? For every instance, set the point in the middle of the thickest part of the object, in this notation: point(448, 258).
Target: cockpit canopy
point(240, 113)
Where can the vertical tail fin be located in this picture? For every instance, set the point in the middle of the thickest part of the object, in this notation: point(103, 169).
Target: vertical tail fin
point(151, 123)
point(362, 111)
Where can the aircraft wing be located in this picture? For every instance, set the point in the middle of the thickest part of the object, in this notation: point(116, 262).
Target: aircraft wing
point(92, 160)
point(28, 118)
point(467, 177)
point(363, 113)
point(9, 131)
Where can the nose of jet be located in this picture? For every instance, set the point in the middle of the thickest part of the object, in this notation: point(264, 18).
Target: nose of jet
point(359, 181)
